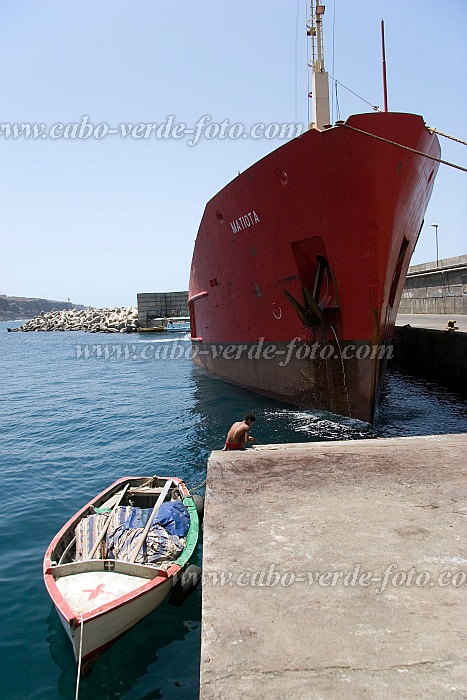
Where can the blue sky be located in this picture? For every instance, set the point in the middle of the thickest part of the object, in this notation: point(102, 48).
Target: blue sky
point(98, 220)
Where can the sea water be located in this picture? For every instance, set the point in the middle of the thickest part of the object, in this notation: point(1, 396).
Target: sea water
point(76, 417)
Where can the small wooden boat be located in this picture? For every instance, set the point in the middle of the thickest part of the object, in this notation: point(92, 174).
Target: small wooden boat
point(118, 558)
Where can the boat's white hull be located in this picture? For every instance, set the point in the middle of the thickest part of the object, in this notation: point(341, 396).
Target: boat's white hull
point(101, 631)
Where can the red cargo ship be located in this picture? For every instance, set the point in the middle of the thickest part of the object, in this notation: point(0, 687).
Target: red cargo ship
point(300, 261)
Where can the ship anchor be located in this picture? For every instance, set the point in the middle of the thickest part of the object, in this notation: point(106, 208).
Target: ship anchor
point(311, 315)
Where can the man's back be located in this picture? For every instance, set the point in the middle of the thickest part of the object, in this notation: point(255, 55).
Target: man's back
point(237, 432)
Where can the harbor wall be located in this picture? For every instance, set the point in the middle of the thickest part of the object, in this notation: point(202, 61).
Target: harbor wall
point(434, 354)
point(161, 304)
point(436, 289)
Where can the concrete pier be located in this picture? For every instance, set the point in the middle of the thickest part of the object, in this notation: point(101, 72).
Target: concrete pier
point(336, 570)
point(423, 347)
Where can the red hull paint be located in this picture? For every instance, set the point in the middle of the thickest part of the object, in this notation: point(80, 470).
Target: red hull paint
point(346, 199)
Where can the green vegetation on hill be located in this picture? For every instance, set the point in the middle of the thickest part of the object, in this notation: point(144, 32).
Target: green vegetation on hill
point(16, 308)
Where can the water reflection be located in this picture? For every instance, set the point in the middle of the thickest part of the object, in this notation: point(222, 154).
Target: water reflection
point(408, 406)
point(166, 417)
point(411, 406)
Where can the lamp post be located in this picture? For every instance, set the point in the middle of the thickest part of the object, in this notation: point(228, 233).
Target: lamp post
point(435, 226)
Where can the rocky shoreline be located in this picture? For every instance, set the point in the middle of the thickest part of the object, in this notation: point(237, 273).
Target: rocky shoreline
point(120, 320)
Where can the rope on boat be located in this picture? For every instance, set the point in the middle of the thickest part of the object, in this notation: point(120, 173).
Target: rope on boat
point(405, 148)
point(198, 486)
point(79, 659)
point(447, 136)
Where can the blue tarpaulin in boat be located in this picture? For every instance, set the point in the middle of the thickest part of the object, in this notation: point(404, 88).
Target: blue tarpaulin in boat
point(122, 542)
point(174, 517)
point(163, 541)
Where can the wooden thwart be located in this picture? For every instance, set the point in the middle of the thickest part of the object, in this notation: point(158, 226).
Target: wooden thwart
point(157, 505)
point(107, 523)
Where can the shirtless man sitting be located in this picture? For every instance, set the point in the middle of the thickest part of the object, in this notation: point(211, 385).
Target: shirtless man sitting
point(239, 434)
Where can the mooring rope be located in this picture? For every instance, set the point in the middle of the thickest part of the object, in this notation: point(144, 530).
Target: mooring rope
point(375, 108)
point(406, 148)
point(79, 659)
point(446, 136)
point(198, 486)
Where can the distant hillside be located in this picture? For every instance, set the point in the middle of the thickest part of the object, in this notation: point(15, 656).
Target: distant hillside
point(12, 308)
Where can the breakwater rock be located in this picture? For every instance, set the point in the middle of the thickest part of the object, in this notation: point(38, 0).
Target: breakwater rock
point(121, 320)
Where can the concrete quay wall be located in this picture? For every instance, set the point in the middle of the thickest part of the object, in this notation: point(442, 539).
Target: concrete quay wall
point(161, 304)
point(436, 354)
point(436, 289)
point(332, 509)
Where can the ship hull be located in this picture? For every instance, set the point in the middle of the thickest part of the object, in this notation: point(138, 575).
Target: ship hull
point(306, 252)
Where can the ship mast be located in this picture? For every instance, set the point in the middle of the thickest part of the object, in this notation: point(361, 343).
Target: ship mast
point(319, 81)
